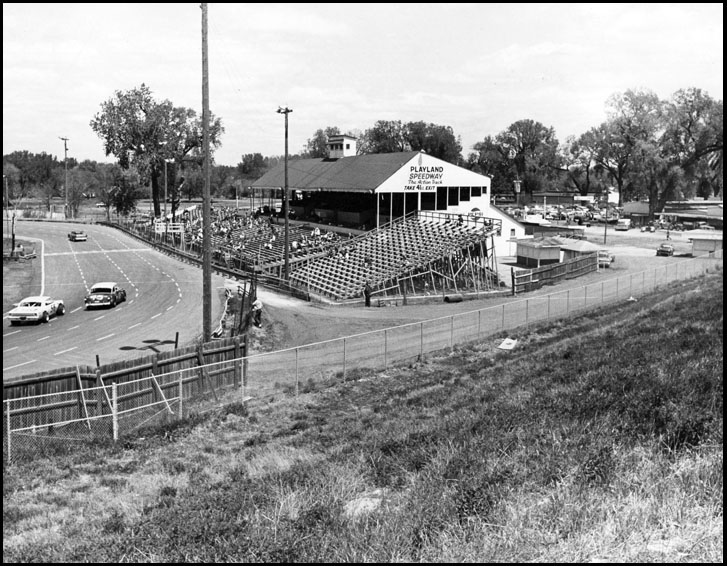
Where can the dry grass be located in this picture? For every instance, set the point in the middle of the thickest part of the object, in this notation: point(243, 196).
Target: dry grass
point(599, 439)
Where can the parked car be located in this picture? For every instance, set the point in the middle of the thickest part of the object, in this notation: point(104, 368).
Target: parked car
point(623, 224)
point(105, 294)
point(77, 236)
point(605, 258)
point(665, 249)
point(36, 309)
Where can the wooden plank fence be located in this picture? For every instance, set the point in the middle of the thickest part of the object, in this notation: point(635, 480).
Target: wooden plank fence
point(524, 280)
point(60, 395)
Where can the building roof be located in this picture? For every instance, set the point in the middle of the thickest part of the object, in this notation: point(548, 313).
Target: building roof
point(704, 235)
point(543, 242)
point(580, 246)
point(360, 173)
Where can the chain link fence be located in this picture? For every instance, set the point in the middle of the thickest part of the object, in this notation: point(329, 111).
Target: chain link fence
point(33, 426)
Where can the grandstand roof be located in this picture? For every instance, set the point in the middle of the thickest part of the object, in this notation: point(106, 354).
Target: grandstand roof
point(360, 173)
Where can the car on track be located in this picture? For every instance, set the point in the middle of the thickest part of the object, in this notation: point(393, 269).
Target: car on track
point(36, 309)
point(104, 294)
point(665, 250)
point(77, 236)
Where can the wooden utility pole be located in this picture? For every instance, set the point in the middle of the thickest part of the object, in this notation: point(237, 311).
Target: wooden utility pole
point(286, 271)
point(206, 216)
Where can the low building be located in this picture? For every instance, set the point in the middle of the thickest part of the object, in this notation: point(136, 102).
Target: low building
point(536, 252)
point(577, 248)
point(705, 241)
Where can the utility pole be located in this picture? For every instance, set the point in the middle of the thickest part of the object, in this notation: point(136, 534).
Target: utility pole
point(65, 165)
point(206, 216)
point(286, 272)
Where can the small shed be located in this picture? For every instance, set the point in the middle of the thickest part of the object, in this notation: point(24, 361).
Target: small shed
point(576, 248)
point(705, 241)
point(535, 252)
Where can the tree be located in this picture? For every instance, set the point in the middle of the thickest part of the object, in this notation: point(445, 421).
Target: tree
point(125, 191)
point(634, 118)
point(437, 141)
point(491, 159)
point(693, 137)
point(317, 146)
point(386, 136)
point(579, 164)
point(533, 149)
point(140, 131)
point(38, 174)
point(391, 136)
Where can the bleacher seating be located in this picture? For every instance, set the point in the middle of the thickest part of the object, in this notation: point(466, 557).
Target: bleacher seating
point(403, 247)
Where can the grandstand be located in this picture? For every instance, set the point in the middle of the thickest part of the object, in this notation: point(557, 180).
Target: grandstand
point(422, 253)
point(425, 252)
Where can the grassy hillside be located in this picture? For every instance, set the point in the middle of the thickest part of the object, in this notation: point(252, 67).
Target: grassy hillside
point(598, 438)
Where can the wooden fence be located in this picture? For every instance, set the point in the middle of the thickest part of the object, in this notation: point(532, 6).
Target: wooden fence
point(524, 280)
point(206, 369)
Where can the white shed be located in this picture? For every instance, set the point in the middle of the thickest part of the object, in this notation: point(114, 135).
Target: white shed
point(705, 241)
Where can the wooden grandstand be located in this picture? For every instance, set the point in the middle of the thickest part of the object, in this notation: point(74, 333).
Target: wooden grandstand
point(423, 253)
point(426, 252)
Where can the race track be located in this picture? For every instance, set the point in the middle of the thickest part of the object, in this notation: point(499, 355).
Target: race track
point(164, 297)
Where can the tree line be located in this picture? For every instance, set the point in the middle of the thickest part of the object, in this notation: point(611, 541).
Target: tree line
point(647, 149)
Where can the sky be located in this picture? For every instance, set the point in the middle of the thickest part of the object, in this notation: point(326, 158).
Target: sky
point(477, 68)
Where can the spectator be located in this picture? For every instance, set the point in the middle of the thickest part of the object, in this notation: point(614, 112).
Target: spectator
point(257, 311)
point(367, 294)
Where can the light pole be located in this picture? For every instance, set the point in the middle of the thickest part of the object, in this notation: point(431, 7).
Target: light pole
point(65, 165)
point(286, 274)
point(7, 204)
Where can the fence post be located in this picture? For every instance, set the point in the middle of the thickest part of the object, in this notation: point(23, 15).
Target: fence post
point(236, 369)
point(244, 369)
point(503, 315)
point(385, 346)
point(631, 285)
point(601, 292)
point(115, 411)
point(527, 309)
point(548, 306)
point(296, 371)
point(99, 398)
point(451, 332)
point(6, 407)
point(479, 323)
point(567, 301)
point(421, 341)
point(181, 395)
point(344, 359)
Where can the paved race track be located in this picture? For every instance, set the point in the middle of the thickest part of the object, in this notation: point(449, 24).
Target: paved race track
point(164, 297)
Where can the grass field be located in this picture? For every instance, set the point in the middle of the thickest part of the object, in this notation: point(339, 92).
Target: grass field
point(599, 438)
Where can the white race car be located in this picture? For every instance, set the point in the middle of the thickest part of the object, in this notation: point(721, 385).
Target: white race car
point(36, 309)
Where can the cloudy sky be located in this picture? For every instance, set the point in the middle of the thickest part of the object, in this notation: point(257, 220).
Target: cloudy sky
point(475, 67)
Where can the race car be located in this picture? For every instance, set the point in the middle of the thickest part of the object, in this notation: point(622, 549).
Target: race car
point(36, 309)
point(77, 236)
point(105, 294)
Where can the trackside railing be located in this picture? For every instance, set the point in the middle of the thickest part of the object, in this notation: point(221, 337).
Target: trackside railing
point(35, 424)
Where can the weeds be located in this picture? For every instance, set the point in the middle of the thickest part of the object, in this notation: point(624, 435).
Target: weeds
point(595, 440)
